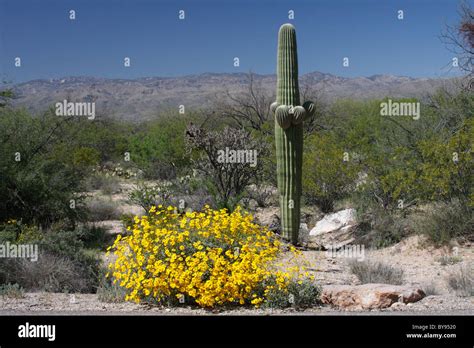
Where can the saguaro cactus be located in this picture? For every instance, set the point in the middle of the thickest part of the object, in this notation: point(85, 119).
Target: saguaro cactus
point(289, 118)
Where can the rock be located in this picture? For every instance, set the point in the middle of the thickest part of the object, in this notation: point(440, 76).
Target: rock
point(369, 296)
point(252, 204)
point(274, 224)
point(311, 215)
point(334, 230)
point(398, 306)
point(335, 221)
point(303, 233)
point(269, 217)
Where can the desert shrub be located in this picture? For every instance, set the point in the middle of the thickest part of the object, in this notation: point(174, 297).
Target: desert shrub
point(446, 260)
point(10, 231)
point(160, 170)
point(430, 288)
point(376, 272)
point(210, 258)
point(379, 227)
point(299, 294)
point(190, 193)
point(226, 178)
point(446, 221)
point(327, 176)
point(85, 157)
point(6, 95)
point(38, 177)
point(115, 171)
point(148, 195)
point(46, 160)
point(109, 292)
point(29, 233)
point(12, 291)
point(264, 195)
point(158, 146)
point(69, 246)
point(461, 281)
point(94, 237)
point(106, 183)
point(16, 232)
point(63, 265)
point(51, 273)
point(99, 209)
point(404, 162)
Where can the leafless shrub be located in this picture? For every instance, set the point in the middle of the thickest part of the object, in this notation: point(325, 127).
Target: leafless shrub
point(226, 179)
point(50, 273)
point(102, 209)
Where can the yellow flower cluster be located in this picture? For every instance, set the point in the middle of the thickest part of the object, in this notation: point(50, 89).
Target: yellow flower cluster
point(210, 258)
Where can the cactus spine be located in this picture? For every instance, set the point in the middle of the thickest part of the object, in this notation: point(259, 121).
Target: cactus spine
point(289, 117)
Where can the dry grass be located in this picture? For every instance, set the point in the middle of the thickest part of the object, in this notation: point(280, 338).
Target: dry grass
point(461, 281)
point(376, 272)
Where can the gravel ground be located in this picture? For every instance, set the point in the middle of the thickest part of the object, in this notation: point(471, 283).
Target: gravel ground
point(88, 304)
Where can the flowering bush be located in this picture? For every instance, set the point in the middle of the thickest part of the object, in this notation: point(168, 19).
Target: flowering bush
point(209, 258)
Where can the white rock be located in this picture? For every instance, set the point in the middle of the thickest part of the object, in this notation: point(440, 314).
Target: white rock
point(334, 230)
point(332, 222)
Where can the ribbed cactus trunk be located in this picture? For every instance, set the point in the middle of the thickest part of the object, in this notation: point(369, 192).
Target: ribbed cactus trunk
point(289, 116)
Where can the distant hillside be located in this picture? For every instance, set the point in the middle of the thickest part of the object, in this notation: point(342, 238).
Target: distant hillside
point(142, 98)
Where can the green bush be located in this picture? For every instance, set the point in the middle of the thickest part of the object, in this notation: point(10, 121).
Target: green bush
point(38, 178)
point(158, 146)
point(12, 291)
point(299, 295)
point(94, 237)
point(379, 227)
point(327, 175)
point(109, 292)
point(17, 232)
point(148, 195)
point(446, 221)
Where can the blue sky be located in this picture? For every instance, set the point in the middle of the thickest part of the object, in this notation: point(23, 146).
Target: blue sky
point(215, 31)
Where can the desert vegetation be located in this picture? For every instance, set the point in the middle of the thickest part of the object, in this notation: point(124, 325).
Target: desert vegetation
point(187, 220)
point(402, 176)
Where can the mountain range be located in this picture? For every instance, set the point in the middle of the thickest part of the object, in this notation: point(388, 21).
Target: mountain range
point(143, 98)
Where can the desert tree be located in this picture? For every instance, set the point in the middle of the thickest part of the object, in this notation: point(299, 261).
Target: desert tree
point(248, 107)
point(460, 40)
point(226, 179)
